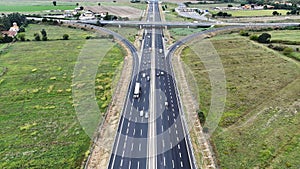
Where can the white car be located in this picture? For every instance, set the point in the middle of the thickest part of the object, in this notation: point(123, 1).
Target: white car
point(141, 113)
point(146, 115)
point(144, 75)
point(166, 103)
point(162, 73)
point(148, 78)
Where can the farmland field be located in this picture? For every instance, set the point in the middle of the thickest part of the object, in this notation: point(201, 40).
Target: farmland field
point(40, 128)
point(38, 6)
point(237, 13)
point(260, 125)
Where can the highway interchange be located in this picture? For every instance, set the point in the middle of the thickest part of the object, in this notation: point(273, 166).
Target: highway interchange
point(162, 139)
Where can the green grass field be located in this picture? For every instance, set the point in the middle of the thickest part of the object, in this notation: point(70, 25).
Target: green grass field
point(127, 32)
point(245, 13)
point(40, 128)
point(178, 33)
point(39, 6)
point(34, 8)
point(260, 124)
point(285, 35)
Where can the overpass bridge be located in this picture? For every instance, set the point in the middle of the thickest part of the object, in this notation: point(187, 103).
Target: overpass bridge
point(161, 24)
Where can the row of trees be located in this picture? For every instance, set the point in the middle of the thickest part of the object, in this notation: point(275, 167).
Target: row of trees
point(6, 21)
point(37, 36)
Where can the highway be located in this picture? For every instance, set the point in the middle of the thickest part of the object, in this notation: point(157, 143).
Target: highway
point(159, 141)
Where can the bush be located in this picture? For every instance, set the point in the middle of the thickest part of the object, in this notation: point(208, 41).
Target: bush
point(287, 51)
point(22, 29)
point(65, 37)
point(44, 20)
point(244, 33)
point(37, 37)
point(253, 37)
point(21, 36)
point(6, 39)
point(201, 117)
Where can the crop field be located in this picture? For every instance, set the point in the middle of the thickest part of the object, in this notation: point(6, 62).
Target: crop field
point(260, 125)
point(285, 35)
point(34, 8)
point(40, 128)
point(40, 5)
point(237, 13)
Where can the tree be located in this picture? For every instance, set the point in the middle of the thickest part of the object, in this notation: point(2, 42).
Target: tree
point(81, 8)
point(264, 38)
point(275, 13)
point(99, 4)
point(44, 35)
point(6, 21)
point(229, 6)
point(54, 3)
point(77, 4)
point(65, 37)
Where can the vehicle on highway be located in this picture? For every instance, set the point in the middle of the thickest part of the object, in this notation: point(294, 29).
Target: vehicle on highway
point(160, 50)
point(141, 113)
point(146, 115)
point(166, 103)
point(148, 78)
point(162, 73)
point(158, 73)
point(144, 75)
point(137, 90)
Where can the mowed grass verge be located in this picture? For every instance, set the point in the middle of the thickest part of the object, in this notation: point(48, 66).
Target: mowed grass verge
point(40, 128)
point(260, 124)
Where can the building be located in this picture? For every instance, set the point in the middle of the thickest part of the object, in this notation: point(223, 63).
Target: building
point(12, 32)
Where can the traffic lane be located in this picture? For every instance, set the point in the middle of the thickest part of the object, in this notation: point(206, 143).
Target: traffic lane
point(170, 122)
point(142, 127)
point(175, 158)
point(126, 163)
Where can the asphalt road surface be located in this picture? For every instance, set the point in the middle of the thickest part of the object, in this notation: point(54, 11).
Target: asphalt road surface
point(160, 140)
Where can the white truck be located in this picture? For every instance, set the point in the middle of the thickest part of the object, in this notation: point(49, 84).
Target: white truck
point(137, 90)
